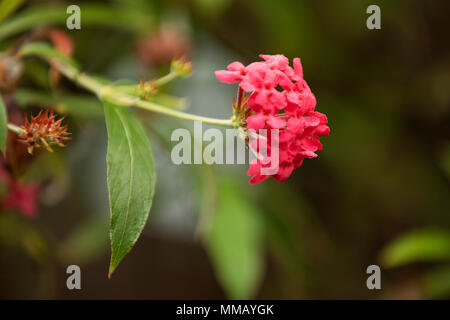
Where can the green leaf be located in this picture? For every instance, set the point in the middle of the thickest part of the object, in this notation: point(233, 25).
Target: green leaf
point(234, 242)
point(46, 51)
point(32, 17)
point(7, 7)
point(424, 245)
point(86, 241)
point(38, 73)
point(212, 8)
point(82, 105)
point(437, 283)
point(131, 179)
point(3, 126)
point(92, 14)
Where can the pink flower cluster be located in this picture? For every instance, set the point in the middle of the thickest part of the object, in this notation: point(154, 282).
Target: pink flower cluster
point(279, 98)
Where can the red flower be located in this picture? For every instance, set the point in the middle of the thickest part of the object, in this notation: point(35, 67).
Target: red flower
point(18, 196)
point(290, 110)
point(22, 197)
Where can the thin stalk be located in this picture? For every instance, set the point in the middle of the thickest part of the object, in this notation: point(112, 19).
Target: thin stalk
point(129, 88)
point(165, 79)
point(124, 99)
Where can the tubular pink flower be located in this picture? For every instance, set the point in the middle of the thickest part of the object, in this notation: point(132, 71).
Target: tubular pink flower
point(236, 72)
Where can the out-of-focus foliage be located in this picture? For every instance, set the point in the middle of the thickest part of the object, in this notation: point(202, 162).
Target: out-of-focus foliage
point(234, 241)
point(8, 6)
point(381, 181)
point(94, 14)
point(81, 105)
point(86, 241)
point(437, 283)
point(3, 125)
point(425, 245)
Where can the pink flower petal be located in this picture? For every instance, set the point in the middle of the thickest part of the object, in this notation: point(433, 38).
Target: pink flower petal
point(308, 144)
point(258, 179)
point(228, 76)
point(311, 121)
point(308, 154)
point(236, 66)
point(298, 69)
point(284, 172)
point(256, 121)
point(322, 130)
point(275, 123)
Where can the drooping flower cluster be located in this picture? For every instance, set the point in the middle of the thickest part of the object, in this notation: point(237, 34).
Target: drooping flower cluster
point(45, 130)
point(278, 98)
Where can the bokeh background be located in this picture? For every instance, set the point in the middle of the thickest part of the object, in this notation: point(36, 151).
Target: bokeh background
point(377, 194)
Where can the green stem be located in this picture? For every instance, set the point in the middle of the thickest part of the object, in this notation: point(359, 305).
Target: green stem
point(15, 128)
point(129, 88)
point(124, 99)
point(165, 79)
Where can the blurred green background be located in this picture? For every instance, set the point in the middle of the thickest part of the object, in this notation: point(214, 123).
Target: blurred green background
point(377, 194)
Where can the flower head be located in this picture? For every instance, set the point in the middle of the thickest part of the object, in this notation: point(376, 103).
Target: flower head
point(278, 98)
point(45, 130)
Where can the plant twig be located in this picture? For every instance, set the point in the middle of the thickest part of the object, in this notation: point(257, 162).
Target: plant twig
point(124, 99)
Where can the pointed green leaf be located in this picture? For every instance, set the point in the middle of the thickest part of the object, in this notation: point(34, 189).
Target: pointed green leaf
point(7, 7)
point(93, 14)
point(131, 179)
point(424, 245)
point(3, 126)
point(46, 51)
point(234, 242)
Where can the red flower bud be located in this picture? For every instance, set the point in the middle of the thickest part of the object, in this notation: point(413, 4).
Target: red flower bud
point(44, 130)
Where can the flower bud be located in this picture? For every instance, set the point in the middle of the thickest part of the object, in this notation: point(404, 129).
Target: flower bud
point(44, 130)
point(181, 67)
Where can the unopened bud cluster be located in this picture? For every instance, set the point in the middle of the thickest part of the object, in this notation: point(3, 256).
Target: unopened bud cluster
point(44, 130)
